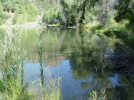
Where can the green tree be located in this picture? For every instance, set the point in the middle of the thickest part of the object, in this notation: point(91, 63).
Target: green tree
point(125, 11)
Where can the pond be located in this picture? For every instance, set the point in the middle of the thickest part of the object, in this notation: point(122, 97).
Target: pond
point(82, 62)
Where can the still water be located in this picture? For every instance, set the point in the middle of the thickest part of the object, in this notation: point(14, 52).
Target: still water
point(81, 61)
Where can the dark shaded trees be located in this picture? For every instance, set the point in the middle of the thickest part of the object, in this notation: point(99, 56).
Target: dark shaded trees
point(125, 11)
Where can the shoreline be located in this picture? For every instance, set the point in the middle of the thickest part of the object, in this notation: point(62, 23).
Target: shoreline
point(31, 26)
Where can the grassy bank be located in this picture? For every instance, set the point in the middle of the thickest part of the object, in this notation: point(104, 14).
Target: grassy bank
point(23, 11)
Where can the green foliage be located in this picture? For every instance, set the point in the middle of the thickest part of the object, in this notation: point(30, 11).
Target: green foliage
point(27, 13)
point(8, 5)
point(2, 31)
point(125, 11)
point(50, 17)
point(2, 18)
point(2, 15)
point(2, 86)
point(95, 95)
point(50, 11)
point(24, 10)
point(66, 12)
point(72, 15)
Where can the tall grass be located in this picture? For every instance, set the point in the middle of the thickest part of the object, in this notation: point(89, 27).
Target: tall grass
point(12, 85)
point(95, 95)
point(11, 67)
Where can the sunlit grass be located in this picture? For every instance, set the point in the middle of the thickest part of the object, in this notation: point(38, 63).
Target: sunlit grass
point(12, 85)
point(95, 95)
point(11, 62)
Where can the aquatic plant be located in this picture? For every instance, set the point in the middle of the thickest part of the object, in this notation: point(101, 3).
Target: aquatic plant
point(95, 95)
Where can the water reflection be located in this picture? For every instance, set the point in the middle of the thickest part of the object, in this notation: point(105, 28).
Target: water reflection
point(40, 55)
point(79, 58)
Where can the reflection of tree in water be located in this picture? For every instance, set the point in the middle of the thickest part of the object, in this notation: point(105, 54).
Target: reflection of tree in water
point(122, 60)
point(88, 61)
point(49, 87)
point(40, 50)
point(121, 93)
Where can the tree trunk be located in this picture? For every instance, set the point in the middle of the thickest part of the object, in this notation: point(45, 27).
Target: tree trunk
point(63, 13)
point(81, 16)
point(104, 15)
